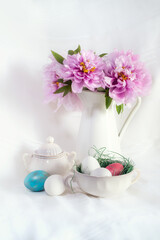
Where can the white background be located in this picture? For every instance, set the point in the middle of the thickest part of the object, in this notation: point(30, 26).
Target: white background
point(28, 31)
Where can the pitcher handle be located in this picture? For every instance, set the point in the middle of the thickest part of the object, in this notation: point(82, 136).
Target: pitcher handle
point(129, 118)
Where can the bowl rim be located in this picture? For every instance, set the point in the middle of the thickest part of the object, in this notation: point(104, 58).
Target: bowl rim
point(105, 177)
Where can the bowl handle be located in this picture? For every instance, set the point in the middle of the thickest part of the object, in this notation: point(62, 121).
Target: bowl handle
point(137, 176)
point(68, 183)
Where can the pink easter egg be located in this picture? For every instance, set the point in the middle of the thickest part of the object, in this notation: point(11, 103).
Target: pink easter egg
point(115, 168)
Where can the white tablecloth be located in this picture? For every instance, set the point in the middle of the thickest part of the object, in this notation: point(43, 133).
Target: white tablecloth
point(29, 29)
point(133, 215)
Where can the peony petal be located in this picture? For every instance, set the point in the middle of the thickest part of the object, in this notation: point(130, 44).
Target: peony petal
point(126, 77)
point(77, 87)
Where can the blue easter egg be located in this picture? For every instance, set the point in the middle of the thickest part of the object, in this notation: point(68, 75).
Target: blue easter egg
point(35, 180)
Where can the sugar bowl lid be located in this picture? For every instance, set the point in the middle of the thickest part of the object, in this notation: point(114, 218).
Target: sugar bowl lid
point(49, 148)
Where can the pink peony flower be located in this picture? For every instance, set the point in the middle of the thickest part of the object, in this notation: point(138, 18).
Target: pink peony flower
point(85, 70)
point(52, 73)
point(126, 77)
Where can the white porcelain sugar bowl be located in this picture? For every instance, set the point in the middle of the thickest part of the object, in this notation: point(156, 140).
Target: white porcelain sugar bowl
point(50, 158)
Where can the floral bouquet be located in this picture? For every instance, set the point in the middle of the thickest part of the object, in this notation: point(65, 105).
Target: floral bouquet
point(120, 75)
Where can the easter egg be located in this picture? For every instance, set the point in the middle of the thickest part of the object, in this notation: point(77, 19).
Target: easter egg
point(115, 168)
point(101, 172)
point(35, 180)
point(54, 185)
point(89, 164)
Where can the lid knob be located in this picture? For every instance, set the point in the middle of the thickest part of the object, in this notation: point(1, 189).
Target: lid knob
point(50, 139)
point(49, 148)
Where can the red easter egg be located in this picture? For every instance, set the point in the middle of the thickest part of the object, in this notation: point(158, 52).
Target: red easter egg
point(115, 168)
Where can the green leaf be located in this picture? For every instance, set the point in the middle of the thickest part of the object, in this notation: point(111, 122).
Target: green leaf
point(122, 107)
point(70, 52)
point(108, 99)
point(100, 89)
point(60, 80)
point(60, 90)
point(78, 50)
point(119, 108)
point(58, 57)
point(103, 54)
point(85, 88)
point(69, 82)
point(67, 90)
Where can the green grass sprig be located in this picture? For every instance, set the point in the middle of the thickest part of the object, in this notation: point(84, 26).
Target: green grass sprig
point(106, 158)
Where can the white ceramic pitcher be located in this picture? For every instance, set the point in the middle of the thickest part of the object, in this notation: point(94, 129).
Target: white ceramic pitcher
point(98, 124)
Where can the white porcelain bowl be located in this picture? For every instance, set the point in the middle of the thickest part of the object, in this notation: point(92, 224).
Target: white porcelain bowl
point(104, 186)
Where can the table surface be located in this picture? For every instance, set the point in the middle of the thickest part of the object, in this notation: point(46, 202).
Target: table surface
point(132, 215)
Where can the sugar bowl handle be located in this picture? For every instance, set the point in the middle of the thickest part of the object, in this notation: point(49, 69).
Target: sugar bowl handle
point(26, 160)
point(71, 157)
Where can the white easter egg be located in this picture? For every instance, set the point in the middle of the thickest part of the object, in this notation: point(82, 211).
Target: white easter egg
point(54, 185)
point(89, 164)
point(101, 172)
